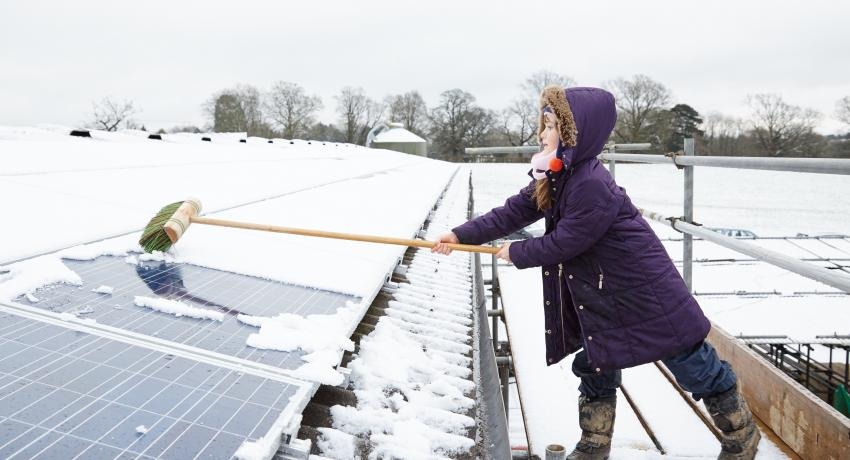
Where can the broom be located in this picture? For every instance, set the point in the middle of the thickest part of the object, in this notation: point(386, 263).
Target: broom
point(172, 221)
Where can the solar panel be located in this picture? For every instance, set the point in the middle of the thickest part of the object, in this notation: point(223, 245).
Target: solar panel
point(68, 394)
point(213, 290)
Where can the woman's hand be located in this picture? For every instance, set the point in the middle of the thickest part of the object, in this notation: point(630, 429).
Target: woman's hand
point(504, 252)
point(442, 246)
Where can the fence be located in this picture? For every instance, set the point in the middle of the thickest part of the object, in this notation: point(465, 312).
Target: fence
point(685, 224)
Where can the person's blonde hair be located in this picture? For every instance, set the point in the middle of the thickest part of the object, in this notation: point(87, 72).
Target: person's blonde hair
point(542, 195)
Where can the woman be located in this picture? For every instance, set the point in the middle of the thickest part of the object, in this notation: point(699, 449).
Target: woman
point(609, 287)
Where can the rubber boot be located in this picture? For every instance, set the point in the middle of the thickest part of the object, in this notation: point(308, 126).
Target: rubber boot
point(731, 415)
point(596, 419)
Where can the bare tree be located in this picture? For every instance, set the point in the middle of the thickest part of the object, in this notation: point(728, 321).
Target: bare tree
point(357, 113)
point(782, 129)
point(237, 109)
point(110, 114)
point(842, 110)
point(291, 108)
point(723, 134)
point(534, 84)
point(410, 109)
point(639, 102)
point(517, 123)
point(374, 112)
point(251, 100)
point(351, 105)
point(457, 122)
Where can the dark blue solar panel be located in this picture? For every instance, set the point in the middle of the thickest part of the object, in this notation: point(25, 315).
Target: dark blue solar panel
point(66, 394)
point(215, 290)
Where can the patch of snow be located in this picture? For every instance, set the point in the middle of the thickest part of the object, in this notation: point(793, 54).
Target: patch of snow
point(322, 337)
point(141, 429)
point(103, 289)
point(265, 447)
point(67, 316)
point(177, 308)
point(32, 298)
point(337, 445)
point(28, 275)
point(72, 318)
point(84, 310)
point(118, 247)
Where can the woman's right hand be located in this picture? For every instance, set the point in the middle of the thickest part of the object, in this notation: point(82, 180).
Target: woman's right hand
point(441, 246)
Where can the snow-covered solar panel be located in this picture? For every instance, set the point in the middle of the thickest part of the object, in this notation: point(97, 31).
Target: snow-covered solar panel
point(68, 394)
point(842, 244)
point(836, 341)
point(776, 340)
point(821, 247)
point(111, 286)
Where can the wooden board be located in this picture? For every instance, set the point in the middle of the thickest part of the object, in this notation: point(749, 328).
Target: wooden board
point(809, 426)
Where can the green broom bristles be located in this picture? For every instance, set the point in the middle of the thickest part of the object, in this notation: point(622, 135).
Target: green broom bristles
point(154, 237)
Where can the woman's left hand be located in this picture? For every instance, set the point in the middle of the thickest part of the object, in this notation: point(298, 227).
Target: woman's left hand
point(504, 252)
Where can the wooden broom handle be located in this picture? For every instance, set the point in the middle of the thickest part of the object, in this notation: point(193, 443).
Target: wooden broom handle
point(339, 236)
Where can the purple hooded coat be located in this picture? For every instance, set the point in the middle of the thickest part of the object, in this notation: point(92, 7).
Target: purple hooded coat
point(608, 283)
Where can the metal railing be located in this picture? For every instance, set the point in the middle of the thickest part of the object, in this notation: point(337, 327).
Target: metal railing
point(805, 165)
point(524, 149)
point(687, 161)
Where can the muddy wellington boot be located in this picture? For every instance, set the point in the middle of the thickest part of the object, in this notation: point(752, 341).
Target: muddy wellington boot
point(732, 416)
point(596, 419)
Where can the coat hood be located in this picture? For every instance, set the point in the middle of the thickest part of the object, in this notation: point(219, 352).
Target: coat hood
point(586, 117)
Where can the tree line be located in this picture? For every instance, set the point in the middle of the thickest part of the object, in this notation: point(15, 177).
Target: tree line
point(645, 109)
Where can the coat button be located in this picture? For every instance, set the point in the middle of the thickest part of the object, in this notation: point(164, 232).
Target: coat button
point(550, 361)
point(546, 273)
point(590, 337)
point(570, 277)
point(549, 331)
point(581, 307)
point(547, 302)
point(554, 189)
point(598, 370)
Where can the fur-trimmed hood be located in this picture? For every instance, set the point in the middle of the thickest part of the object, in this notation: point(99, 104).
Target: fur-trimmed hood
point(585, 119)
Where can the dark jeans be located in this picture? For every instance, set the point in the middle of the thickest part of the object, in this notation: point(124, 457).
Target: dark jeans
point(698, 370)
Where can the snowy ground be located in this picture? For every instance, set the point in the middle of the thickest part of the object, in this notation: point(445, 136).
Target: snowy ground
point(777, 303)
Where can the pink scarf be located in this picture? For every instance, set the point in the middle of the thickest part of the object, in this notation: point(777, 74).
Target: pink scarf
point(540, 164)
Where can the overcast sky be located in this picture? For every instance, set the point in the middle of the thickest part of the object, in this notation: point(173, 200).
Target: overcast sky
point(56, 57)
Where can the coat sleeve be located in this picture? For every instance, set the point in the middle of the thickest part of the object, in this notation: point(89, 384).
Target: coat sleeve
point(588, 213)
point(518, 212)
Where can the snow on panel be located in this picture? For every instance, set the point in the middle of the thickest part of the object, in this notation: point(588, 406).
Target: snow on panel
point(800, 318)
point(95, 188)
point(177, 308)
